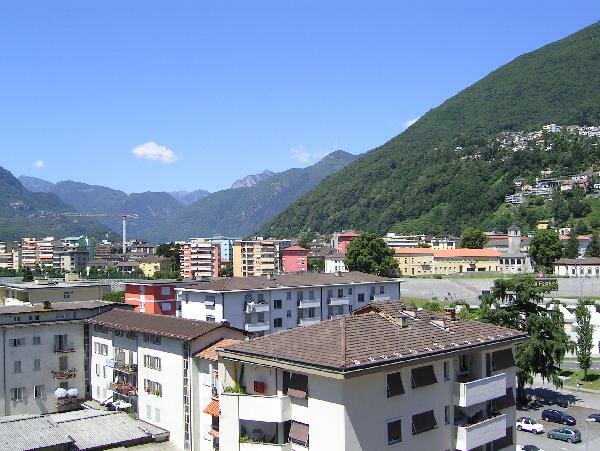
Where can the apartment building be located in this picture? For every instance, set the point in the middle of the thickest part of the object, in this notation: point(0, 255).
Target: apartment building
point(44, 348)
point(340, 241)
point(9, 258)
point(256, 258)
point(200, 259)
point(268, 304)
point(387, 378)
point(419, 261)
point(151, 264)
point(395, 240)
point(45, 251)
point(335, 263)
point(226, 245)
point(577, 267)
point(42, 290)
point(73, 259)
point(154, 297)
point(147, 364)
point(294, 259)
point(28, 252)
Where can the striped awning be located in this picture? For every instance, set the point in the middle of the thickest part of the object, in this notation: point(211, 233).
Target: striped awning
point(212, 408)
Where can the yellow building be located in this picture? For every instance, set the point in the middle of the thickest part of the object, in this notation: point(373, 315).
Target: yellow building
point(255, 258)
point(544, 225)
point(152, 264)
point(418, 261)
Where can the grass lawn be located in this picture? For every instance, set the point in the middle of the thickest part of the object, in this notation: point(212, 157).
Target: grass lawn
point(593, 379)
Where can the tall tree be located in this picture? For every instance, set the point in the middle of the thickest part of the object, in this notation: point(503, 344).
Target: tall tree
point(473, 238)
point(545, 249)
point(370, 253)
point(585, 331)
point(593, 249)
point(27, 274)
point(572, 247)
point(170, 251)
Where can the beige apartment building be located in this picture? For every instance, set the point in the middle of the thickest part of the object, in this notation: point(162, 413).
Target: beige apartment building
point(256, 258)
point(43, 290)
point(417, 261)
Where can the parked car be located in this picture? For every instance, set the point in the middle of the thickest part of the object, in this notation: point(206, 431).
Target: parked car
point(528, 448)
point(558, 417)
point(565, 434)
point(529, 425)
point(594, 417)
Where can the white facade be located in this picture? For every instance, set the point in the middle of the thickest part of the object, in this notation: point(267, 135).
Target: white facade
point(335, 263)
point(584, 267)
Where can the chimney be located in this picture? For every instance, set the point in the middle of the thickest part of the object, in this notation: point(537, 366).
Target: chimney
point(449, 314)
point(47, 305)
point(338, 273)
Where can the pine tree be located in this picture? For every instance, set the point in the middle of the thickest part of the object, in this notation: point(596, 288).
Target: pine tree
point(593, 249)
point(572, 247)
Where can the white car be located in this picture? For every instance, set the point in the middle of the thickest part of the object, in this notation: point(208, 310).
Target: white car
point(529, 425)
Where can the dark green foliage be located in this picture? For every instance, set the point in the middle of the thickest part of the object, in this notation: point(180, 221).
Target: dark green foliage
point(417, 182)
point(473, 238)
point(370, 253)
point(227, 270)
point(114, 296)
point(593, 249)
point(316, 264)
point(545, 248)
point(27, 275)
point(170, 251)
point(585, 332)
point(160, 275)
point(572, 246)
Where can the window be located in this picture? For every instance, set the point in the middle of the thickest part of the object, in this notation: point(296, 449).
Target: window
point(150, 338)
point(299, 296)
point(101, 329)
point(277, 304)
point(39, 391)
point(311, 295)
point(66, 295)
point(17, 366)
point(97, 391)
point(16, 342)
point(394, 432)
point(277, 322)
point(329, 294)
point(423, 422)
point(152, 362)
point(299, 433)
point(288, 295)
point(289, 314)
point(394, 384)
point(422, 376)
point(165, 291)
point(311, 312)
point(37, 340)
point(447, 415)
point(446, 371)
point(37, 363)
point(16, 318)
point(340, 293)
point(119, 333)
point(361, 297)
point(295, 385)
point(100, 348)
point(153, 388)
point(381, 289)
point(502, 359)
point(463, 363)
point(157, 414)
point(17, 394)
point(261, 317)
point(210, 318)
point(98, 369)
point(131, 335)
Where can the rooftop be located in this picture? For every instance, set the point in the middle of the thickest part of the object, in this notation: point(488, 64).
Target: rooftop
point(375, 337)
point(210, 353)
point(51, 285)
point(166, 326)
point(58, 307)
point(448, 253)
point(294, 248)
point(304, 279)
point(578, 261)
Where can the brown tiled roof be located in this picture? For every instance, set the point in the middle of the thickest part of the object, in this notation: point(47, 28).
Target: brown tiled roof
point(166, 326)
point(212, 408)
point(371, 339)
point(303, 279)
point(210, 353)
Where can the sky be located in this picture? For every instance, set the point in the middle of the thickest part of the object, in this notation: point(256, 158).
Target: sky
point(164, 96)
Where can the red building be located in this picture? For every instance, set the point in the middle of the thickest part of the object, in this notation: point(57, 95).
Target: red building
point(155, 297)
point(294, 259)
point(344, 239)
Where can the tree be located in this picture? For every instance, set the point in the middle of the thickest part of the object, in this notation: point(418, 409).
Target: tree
point(585, 331)
point(306, 239)
point(516, 302)
point(170, 251)
point(473, 238)
point(572, 247)
point(593, 249)
point(545, 249)
point(316, 264)
point(370, 253)
point(114, 296)
point(227, 270)
point(27, 274)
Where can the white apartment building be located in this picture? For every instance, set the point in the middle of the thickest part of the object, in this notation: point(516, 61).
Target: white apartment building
point(199, 259)
point(256, 257)
point(387, 378)
point(147, 363)
point(28, 252)
point(577, 267)
point(268, 304)
point(335, 263)
point(44, 348)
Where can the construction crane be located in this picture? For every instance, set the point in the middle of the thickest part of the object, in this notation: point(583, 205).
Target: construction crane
point(123, 216)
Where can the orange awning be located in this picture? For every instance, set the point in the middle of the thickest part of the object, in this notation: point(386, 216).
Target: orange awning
point(212, 408)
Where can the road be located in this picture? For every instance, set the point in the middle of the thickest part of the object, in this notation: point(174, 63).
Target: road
point(575, 366)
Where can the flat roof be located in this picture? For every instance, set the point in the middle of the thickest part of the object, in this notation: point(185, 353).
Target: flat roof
point(448, 253)
point(48, 286)
point(56, 306)
point(578, 261)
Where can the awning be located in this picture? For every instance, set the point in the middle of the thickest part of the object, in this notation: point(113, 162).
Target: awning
point(508, 400)
point(212, 408)
point(299, 433)
point(298, 385)
point(502, 359)
point(422, 376)
point(424, 421)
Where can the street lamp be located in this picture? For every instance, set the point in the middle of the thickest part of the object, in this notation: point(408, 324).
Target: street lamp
point(587, 438)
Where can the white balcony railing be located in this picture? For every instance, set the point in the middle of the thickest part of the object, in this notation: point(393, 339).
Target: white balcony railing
point(310, 303)
point(257, 327)
point(308, 321)
point(272, 409)
point(339, 301)
point(249, 446)
point(486, 431)
point(470, 393)
point(381, 297)
point(257, 307)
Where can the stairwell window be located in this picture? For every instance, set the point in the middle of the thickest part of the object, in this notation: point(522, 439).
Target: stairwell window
point(151, 338)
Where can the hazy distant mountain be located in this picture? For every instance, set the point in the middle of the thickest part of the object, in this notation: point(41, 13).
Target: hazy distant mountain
point(188, 197)
point(252, 179)
point(35, 184)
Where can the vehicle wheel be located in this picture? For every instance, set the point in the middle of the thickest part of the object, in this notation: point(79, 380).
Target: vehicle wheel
point(570, 440)
point(519, 427)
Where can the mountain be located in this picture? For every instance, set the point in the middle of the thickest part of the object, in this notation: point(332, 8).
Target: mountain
point(35, 184)
point(237, 212)
point(27, 213)
point(252, 179)
point(419, 180)
point(188, 197)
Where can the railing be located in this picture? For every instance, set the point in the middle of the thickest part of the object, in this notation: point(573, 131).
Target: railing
point(128, 368)
point(274, 409)
point(124, 389)
point(469, 393)
point(59, 349)
point(339, 301)
point(261, 446)
point(257, 307)
point(308, 321)
point(256, 327)
point(64, 374)
point(310, 303)
point(66, 401)
point(485, 431)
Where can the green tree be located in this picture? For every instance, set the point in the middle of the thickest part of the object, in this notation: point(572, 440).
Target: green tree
point(227, 270)
point(585, 331)
point(593, 249)
point(114, 296)
point(316, 264)
point(27, 274)
point(370, 253)
point(306, 238)
point(170, 251)
point(572, 247)
point(473, 238)
point(545, 249)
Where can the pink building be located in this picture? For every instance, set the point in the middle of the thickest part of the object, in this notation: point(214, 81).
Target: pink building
point(344, 240)
point(294, 259)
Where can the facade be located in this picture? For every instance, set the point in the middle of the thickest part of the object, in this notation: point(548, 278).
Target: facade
point(294, 259)
point(45, 251)
point(9, 258)
point(44, 349)
point(226, 245)
point(264, 305)
point(28, 252)
point(74, 260)
point(152, 264)
point(426, 261)
point(395, 240)
point(154, 297)
point(200, 259)
point(335, 263)
point(577, 267)
point(342, 240)
point(147, 361)
point(41, 290)
point(387, 378)
point(256, 258)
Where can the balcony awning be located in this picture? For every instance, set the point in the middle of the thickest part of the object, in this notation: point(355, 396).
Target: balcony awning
point(212, 408)
point(508, 400)
point(298, 385)
point(422, 376)
point(503, 359)
point(424, 421)
point(299, 433)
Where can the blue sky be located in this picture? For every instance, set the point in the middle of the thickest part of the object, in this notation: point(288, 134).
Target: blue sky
point(194, 94)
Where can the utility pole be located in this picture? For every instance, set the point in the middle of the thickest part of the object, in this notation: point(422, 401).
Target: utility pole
point(124, 218)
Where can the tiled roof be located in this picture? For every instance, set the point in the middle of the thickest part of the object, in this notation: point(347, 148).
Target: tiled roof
point(374, 338)
point(166, 326)
point(414, 250)
point(294, 248)
point(578, 261)
point(303, 279)
point(210, 353)
point(449, 253)
point(212, 408)
point(348, 234)
point(58, 306)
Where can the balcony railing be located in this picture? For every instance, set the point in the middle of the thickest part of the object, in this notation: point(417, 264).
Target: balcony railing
point(469, 393)
point(339, 301)
point(64, 374)
point(128, 368)
point(60, 349)
point(256, 327)
point(257, 307)
point(273, 409)
point(66, 401)
point(381, 297)
point(478, 434)
point(308, 321)
point(124, 389)
point(310, 303)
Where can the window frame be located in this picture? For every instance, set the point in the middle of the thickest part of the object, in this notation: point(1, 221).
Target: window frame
point(387, 435)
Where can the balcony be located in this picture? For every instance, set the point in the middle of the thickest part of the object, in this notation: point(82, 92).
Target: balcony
point(256, 327)
point(60, 402)
point(339, 301)
point(335, 316)
point(128, 368)
point(64, 348)
point(124, 389)
point(250, 446)
point(60, 375)
point(381, 297)
point(308, 321)
point(467, 394)
point(478, 434)
point(310, 303)
point(271, 409)
point(257, 307)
